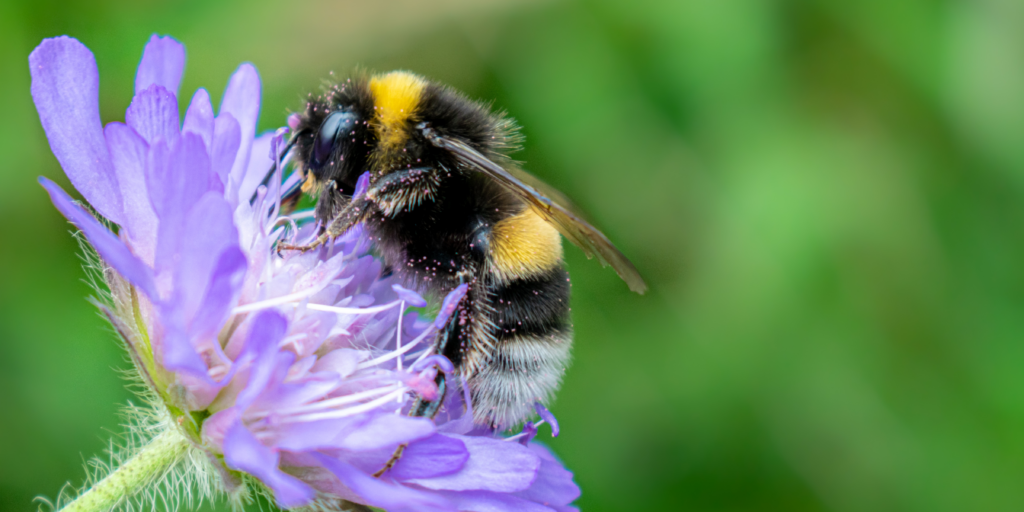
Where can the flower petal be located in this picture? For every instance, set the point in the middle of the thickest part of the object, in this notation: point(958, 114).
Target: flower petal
point(163, 61)
point(313, 435)
point(292, 393)
point(227, 136)
point(493, 465)
point(128, 151)
point(437, 455)
point(242, 451)
point(154, 114)
point(221, 293)
point(483, 501)
point(242, 101)
point(267, 329)
point(342, 361)
point(386, 430)
point(554, 485)
point(199, 118)
point(259, 166)
point(208, 232)
point(65, 89)
point(179, 355)
point(216, 427)
point(106, 243)
point(177, 177)
point(380, 493)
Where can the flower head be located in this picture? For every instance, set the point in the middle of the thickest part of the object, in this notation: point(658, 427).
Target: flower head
point(297, 369)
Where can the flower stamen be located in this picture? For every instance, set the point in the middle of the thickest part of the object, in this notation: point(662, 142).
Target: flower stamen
point(331, 403)
point(395, 353)
point(346, 412)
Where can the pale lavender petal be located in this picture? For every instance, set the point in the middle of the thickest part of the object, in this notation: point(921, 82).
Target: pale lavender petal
point(65, 89)
point(268, 328)
point(199, 118)
point(259, 166)
point(226, 139)
point(176, 178)
point(128, 151)
point(242, 101)
point(341, 361)
point(321, 275)
point(242, 451)
point(153, 114)
point(313, 435)
point(297, 392)
point(386, 430)
point(483, 501)
point(159, 180)
point(178, 353)
point(216, 427)
point(163, 61)
point(462, 424)
point(554, 485)
point(209, 230)
point(546, 415)
point(410, 297)
point(106, 243)
point(221, 293)
point(493, 465)
point(437, 455)
point(450, 303)
point(379, 493)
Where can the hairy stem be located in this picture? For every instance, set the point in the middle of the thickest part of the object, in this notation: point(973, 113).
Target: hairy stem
point(152, 461)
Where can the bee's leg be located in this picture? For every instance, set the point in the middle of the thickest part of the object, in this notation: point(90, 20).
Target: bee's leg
point(395, 192)
point(429, 408)
point(353, 213)
point(423, 409)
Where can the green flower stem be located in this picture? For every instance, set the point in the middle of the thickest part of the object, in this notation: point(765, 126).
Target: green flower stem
point(134, 475)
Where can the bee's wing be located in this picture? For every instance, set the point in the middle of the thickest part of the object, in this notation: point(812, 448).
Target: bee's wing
point(550, 204)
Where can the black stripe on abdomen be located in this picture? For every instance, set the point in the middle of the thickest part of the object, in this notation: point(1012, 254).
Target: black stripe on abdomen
point(536, 306)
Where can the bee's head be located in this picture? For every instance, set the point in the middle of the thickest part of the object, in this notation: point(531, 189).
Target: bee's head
point(331, 143)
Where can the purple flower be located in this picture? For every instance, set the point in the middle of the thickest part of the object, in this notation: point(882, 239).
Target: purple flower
point(298, 369)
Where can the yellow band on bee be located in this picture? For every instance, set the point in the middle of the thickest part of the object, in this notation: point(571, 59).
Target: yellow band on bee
point(395, 98)
point(524, 245)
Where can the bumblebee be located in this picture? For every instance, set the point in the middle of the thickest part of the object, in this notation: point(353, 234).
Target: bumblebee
point(446, 206)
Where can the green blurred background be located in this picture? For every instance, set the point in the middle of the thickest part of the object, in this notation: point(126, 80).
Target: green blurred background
point(826, 197)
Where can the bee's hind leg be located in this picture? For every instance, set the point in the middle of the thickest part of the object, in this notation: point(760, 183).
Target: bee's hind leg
point(423, 408)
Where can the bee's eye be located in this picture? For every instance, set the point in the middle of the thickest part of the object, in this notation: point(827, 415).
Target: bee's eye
point(338, 123)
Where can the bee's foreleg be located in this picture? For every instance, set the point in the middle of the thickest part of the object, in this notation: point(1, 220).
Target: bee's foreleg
point(353, 213)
